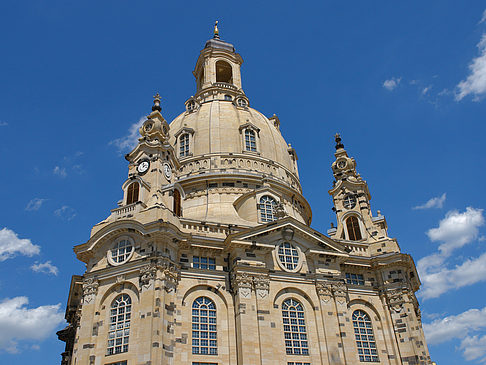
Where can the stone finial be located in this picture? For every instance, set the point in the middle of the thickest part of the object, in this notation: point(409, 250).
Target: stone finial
point(156, 105)
point(216, 31)
point(337, 138)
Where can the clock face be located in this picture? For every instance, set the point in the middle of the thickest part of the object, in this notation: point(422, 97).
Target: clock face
point(143, 167)
point(349, 201)
point(167, 171)
point(341, 164)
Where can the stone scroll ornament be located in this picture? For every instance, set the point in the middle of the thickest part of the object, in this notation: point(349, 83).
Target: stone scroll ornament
point(242, 282)
point(147, 275)
point(170, 274)
point(262, 285)
point(324, 290)
point(90, 288)
point(395, 299)
point(340, 292)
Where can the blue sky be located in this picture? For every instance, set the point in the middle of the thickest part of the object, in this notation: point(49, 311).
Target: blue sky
point(403, 82)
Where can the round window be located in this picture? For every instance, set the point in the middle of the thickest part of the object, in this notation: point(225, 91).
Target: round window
point(349, 201)
point(121, 251)
point(288, 256)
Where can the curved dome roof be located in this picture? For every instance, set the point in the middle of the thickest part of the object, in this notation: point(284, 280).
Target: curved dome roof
point(217, 128)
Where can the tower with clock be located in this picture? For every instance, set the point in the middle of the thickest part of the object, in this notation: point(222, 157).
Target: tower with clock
point(210, 257)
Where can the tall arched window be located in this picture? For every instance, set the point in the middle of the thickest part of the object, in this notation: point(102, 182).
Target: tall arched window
point(224, 72)
point(184, 145)
point(365, 339)
point(132, 193)
point(177, 203)
point(204, 335)
point(267, 205)
point(295, 333)
point(250, 140)
point(119, 329)
point(352, 225)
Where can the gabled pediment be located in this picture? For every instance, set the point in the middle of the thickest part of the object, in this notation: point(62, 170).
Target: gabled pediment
point(289, 229)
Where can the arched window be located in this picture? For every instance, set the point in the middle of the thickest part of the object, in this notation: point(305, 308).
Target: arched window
point(119, 330)
point(295, 333)
point(177, 203)
point(224, 72)
point(352, 225)
point(204, 335)
point(191, 105)
point(184, 145)
point(250, 140)
point(121, 251)
point(365, 339)
point(132, 193)
point(267, 206)
point(242, 102)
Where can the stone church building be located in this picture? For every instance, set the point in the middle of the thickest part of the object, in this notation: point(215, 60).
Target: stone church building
point(210, 259)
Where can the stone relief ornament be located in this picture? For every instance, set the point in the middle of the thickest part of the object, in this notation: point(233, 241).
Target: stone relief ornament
point(90, 288)
point(262, 285)
point(340, 292)
point(395, 299)
point(147, 275)
point(324, 290)
point(170, 274)
point(242, 282)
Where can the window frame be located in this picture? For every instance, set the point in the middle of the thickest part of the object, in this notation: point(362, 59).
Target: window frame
point(263, 211)
point(113, 327)
point(294, 335)
point(293, 247)
point(115, 243)
point(354, 222)
point(199, 261)
point(204, 328)
point(130, 199)
point(366, 330)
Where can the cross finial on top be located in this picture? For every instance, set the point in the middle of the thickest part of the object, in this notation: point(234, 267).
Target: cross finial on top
point(337, 138)
point(216, 31)
point(156, 105)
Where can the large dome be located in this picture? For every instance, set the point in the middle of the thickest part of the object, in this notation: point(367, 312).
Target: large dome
point(218, 128)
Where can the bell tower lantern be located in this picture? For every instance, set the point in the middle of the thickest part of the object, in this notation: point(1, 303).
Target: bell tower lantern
point(218, 65)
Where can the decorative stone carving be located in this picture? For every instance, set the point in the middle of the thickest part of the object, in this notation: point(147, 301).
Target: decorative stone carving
point(90, 288)
point(121, 278)
point(279, 211)
point(242, 282)
point(340, 292)
point(395, 299)
point(170, 273)
point(324, 290)
point(147, 275)
point(262, 285)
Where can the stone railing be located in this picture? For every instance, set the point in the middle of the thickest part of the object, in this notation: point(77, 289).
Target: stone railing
point(234, 163)
point(127, 209)
point(225, 85)
point(357, 249)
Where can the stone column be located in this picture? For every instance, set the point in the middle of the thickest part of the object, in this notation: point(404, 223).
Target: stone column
point(261, 283)
point(246, 319)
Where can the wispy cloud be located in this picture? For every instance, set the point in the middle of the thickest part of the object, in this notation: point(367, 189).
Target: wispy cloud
point(392, 84)
point(20, 323)
point(462, 326)
point(131, 139)
point(425, 90)
point(46, 268)
point(454, 231)
point(35, 204)
point(11, 245)
point(65, 213)
point(3, 124)
point(437, 202)
point(59, 171)
point(475, 83)
point(483, 18)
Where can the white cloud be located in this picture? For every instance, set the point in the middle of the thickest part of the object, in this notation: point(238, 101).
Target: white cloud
point(60, 171)
point(475, 83)
point(455, 230)
point(131, 139)
point(425, 90)
point(65, 212)
point(437, 278)
point(483, 19)
point(11, 244)
point(392, 83)
point(474, 347)
point(35, 204)
point(46, 268)
point(17, 322)
point(437, 202)
point(445, 329)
